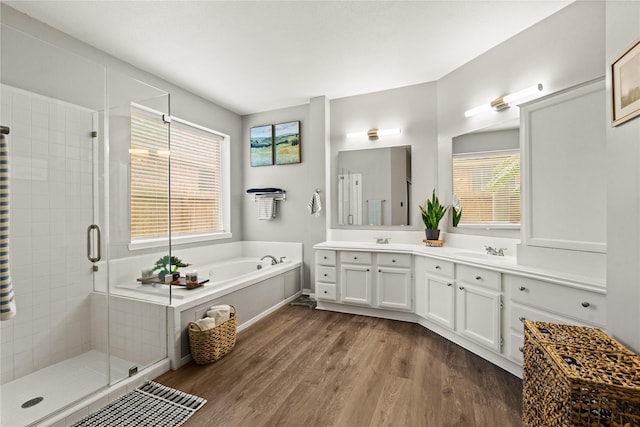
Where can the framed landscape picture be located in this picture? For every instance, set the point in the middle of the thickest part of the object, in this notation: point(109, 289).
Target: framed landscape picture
point(625, 76)
point(287, 143)
point(261, 145)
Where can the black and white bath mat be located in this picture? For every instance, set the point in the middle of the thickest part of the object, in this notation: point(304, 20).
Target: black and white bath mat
point(151, 404)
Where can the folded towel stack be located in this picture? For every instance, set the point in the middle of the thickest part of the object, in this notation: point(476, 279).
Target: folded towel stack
point(206, 323)
point(221, 313)
point(216, 316)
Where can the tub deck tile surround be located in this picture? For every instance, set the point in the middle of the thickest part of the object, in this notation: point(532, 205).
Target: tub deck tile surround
point(321, 368)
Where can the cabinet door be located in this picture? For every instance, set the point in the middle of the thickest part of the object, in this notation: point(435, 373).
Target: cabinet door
point(394, 288)
point(355, 284)
point(439, 304)
point(479, 315)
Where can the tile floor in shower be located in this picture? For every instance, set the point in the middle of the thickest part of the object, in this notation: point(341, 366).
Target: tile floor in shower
point(59, 385)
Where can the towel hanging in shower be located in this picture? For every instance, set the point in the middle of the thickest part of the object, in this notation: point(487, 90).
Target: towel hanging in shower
point(7, 301)
point(315, 205)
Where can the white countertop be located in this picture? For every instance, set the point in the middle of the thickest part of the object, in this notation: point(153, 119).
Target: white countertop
point(504, 264)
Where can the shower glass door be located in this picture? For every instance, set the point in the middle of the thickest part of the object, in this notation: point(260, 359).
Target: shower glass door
point(54, 350)
point(138, 243)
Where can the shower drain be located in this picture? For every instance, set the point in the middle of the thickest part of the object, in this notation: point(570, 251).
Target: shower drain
point(32, 402)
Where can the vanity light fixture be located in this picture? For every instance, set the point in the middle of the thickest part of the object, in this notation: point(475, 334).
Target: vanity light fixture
point(505, 101)
point(374, 133)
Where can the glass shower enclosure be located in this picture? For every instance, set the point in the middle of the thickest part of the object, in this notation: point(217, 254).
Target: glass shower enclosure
point(80, 326)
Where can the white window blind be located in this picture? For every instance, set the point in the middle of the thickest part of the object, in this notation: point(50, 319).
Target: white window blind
point(488, 186)
point(193, 169)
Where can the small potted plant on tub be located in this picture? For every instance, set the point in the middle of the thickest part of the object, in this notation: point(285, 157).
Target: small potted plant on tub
point(432, 212)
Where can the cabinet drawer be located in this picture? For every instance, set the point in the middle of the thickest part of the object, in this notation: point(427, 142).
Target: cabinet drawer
point(349, 257)
point(394, 260)
point(439, 267)
point(478, 276)
point(325, 257)
point(326, 274)
point(577, 303)
point(516, 347)
point(520, 313)
point(326, 291)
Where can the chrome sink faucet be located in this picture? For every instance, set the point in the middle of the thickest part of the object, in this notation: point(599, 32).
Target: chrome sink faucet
point(382, 240)
point(493, 251)
point(274, 261)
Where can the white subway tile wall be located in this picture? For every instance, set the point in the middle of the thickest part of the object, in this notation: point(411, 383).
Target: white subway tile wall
point(50, 160)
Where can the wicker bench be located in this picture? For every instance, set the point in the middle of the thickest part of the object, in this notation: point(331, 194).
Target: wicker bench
point(578, 376)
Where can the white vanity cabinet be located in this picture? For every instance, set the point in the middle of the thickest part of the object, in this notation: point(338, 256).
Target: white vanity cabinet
point(326, 288)
point(479, 305)
point(533, 299)
point(435, 291)
point(356, 278)
point(393, 281)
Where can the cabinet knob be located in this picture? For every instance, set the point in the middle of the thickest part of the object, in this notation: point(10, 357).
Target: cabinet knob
point(449, 284)
point(461, 288)
point(379, 271)
point(368, 269)
point(521, 350)
point(355, 257)
point(585, 304)
point(478, 277)
point(522, 288)
point(326, 292)
point(325, 274)
point(393, 260)
point(522, 318)
point(437, 267)
point(324, 257)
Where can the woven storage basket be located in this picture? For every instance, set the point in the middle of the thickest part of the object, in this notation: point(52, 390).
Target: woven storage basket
point(580, 384)
point(210, 345)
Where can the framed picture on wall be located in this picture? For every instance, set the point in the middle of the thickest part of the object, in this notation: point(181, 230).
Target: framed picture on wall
point(287, 143)
point(261, 139)
point(625, 84)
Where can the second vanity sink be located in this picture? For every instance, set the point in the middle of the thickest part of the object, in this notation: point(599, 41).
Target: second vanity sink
point(482, 256)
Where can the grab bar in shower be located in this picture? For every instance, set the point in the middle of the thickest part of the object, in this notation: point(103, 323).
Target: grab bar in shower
point(90, 241)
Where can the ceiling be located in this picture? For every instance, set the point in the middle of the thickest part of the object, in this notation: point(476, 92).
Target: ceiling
point(263, 55)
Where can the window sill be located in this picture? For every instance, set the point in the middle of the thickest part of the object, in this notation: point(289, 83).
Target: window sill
point(489, 226)
point(179, 240)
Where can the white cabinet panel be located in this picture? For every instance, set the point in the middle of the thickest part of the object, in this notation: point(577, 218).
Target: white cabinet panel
point(479, 313)
point(355, 284)
point(394, 288)
point(440, 301)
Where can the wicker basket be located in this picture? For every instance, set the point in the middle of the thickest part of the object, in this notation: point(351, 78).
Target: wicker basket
point(210, 345)
point(576, 381)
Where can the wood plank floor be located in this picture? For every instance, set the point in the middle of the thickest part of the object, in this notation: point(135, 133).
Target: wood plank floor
point(303, 367)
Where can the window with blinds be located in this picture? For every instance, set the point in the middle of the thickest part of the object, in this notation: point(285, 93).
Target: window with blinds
point(488, 186)
point(189, 180)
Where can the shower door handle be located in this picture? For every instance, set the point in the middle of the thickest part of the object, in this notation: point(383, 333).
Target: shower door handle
point(90, 241)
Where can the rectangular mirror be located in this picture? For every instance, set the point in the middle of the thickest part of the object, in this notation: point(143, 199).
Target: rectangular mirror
point(374, 186)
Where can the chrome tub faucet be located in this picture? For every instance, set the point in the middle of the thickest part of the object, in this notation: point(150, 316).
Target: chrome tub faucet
point(274, 261)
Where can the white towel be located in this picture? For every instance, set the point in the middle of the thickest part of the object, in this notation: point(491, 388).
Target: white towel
point(206, 323)
point(315, 206)
point(374, 207)
point(266, 208)
point(221, 313)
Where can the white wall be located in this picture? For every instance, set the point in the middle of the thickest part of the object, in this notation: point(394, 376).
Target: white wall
point(623, 191)
point(561, 51)
point(293, 222)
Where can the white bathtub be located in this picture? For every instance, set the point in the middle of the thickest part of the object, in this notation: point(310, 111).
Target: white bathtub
point(230, 273)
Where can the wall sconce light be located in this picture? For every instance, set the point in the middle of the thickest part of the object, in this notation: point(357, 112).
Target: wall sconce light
point(374, 133)
point(504, 102)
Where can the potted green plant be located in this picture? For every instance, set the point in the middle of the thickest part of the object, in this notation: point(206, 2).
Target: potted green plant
point(456, 211)
point(432, 212)
point(167, 265)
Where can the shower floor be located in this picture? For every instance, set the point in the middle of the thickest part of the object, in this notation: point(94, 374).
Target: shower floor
point(59, 385)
